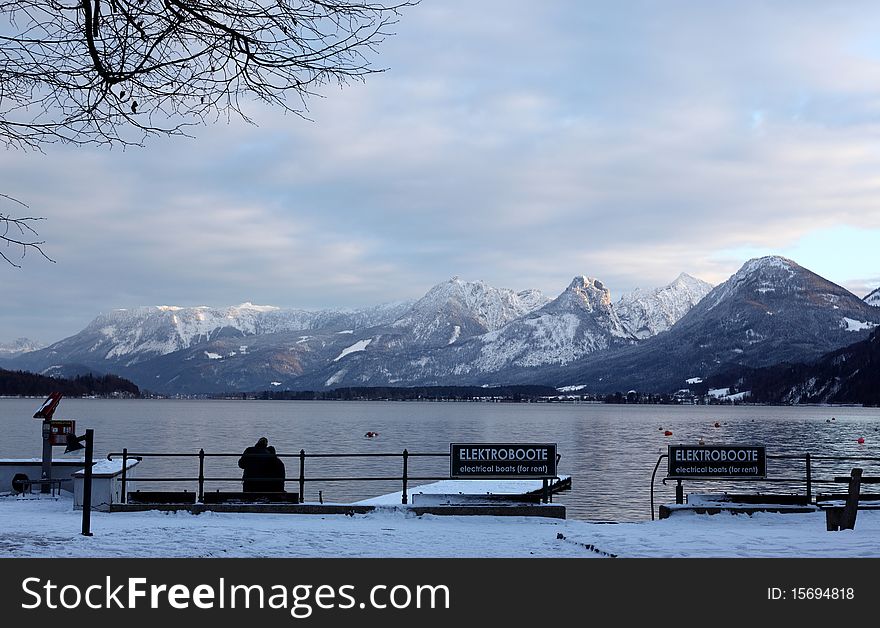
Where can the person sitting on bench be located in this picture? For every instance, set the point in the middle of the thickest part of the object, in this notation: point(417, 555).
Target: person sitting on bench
point(263, 469)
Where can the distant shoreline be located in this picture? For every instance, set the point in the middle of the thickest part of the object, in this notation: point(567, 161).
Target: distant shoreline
point(438, 400)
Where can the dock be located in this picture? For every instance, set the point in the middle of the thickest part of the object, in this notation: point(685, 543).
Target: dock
point(472, 491)
point(497, 498)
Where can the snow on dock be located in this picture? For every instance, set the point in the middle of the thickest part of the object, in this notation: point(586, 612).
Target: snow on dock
point(510, 488)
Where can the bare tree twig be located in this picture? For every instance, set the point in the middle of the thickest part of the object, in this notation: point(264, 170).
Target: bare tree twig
point(119, 71)
point(19, 234)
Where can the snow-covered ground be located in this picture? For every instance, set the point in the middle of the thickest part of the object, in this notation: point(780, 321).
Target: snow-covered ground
point(45, 527)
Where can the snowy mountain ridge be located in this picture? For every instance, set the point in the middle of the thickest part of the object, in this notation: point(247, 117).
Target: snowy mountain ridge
point(579, 321)
point(458, 332)
point(456, 309)
point(648, 312)
point(143, 332)
point(18, 346)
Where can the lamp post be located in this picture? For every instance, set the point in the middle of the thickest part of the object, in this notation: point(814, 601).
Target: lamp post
point(73, 444)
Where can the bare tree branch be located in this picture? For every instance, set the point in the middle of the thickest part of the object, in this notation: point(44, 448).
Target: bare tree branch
point(115, 72)
point(19, 235)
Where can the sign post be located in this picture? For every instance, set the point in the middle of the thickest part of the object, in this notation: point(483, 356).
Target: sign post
point(73, 443)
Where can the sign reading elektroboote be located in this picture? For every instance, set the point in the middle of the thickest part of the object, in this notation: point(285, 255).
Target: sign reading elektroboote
point(502, 461)
point(718, 461)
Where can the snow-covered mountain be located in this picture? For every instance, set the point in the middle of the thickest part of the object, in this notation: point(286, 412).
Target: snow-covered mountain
point(456, 310)
point(130, 336)
point(873, 298)
point(648, 312)
point(770, 311)
point(578, 322)
point(19, 346)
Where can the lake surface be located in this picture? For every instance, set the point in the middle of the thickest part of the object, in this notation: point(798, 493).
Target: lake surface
point(609, 450)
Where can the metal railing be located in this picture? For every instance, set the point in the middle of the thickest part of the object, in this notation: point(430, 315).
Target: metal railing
point(301, 479)
point(807, 479)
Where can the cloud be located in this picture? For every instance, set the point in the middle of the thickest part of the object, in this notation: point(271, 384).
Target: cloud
point(514, 142)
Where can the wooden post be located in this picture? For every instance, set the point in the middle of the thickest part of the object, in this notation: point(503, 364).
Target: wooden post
point(848, 520)
point(809, 479)
point(837, 518)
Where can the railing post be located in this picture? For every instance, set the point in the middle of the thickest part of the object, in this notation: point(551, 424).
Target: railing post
point(124, 474)
point(544, 492)
point(87, 484)
point(679, 493)
point(302, 475)
point(201, 474)
point(809, 480)
point(403, 498)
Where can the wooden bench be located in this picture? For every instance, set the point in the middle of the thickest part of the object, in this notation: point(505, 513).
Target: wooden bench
point(843, 517)
point(26, 485)
point(161, 497)
point(238, 497)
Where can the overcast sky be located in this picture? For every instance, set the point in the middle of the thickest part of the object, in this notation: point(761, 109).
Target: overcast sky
point(521, 143)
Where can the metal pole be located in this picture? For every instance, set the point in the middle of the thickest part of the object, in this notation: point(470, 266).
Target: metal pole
point(87, 484)
point(302, 475)
point(405, 462)
point(47, 455)
point(809, 480)
point(124, 471)
point(679, 493)
point(544, 492)
point(201, 474)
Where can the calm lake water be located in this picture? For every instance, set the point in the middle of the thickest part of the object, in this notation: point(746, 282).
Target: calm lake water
point(610, 451)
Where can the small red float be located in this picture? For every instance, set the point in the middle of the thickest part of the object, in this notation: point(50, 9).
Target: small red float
point(861, 440)
point(667, 433)
point(371, 434)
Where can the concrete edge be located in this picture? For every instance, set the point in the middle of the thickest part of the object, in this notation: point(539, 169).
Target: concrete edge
point(553, 511)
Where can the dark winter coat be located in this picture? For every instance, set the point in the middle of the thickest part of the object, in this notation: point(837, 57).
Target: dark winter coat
point(263, 470)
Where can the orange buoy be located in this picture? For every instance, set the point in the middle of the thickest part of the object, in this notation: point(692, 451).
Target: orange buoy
point(861, 440)
point(667, 433)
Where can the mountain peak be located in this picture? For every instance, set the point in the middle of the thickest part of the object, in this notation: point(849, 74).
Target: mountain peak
point(873, 298)
point(768, 262)
point(247, 305)
point(582, 282)
point(456, 309)
point(585, 292)
point(19, 346)
point(648, 312)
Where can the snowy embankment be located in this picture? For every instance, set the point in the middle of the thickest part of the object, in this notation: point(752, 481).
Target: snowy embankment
point(50, 528)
